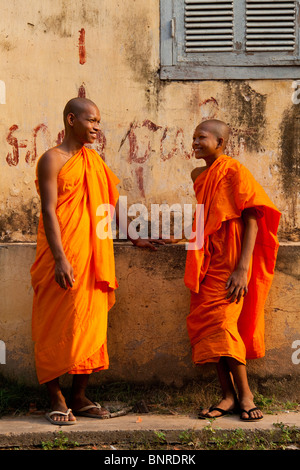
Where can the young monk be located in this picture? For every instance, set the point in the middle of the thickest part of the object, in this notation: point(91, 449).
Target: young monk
point(73, 275)
point(230, 275)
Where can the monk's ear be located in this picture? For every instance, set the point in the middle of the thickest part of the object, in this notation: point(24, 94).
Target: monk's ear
point(70, 119)
point(221, 142)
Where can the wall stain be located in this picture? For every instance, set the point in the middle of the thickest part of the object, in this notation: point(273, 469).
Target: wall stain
point(58, 24)
point(247, 114)
point(138, 44)
point(61, 23)
point(154, 87)
point(19, 225)
point(290, 167)
point(137, 48)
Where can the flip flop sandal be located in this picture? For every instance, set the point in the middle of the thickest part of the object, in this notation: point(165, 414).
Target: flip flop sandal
point(214, 408)
point(84, 412)
point(61, 413)
point(248, 413)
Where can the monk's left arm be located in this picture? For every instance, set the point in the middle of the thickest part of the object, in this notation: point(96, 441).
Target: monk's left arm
point(237, 283)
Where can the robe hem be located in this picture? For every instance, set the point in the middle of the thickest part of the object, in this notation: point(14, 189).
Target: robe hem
point(217, 359)
point(66, 370)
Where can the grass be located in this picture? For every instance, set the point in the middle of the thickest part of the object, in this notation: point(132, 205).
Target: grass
point(61, 442)
point(280, 395)
point(282, 437)
point(17, 398)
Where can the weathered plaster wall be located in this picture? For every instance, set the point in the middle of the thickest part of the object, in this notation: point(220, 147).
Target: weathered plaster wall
point(109, 51)
point(147, 337)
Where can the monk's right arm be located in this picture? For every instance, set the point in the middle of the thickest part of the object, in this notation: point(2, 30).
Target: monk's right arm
point(47, 176)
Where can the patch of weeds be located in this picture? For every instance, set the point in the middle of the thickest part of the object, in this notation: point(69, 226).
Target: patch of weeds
point(288, 435)
point(211, 438)
point(187, 438)
point(272, 405)
point(236, 439)
point(18, 398)
point(160, 437)
point(59, 443)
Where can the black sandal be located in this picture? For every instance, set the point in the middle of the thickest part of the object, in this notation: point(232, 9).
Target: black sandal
point(248, 413)
point(214, 408)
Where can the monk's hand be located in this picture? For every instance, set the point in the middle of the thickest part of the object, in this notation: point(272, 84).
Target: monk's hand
point(237, 285)
point(64, 275)
point(147, 243)
point(171, 240)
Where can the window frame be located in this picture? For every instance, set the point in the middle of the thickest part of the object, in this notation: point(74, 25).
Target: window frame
point(178, 65)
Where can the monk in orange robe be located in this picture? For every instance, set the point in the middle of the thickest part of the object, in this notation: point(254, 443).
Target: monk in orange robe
point(229, 276)
point(73, 276)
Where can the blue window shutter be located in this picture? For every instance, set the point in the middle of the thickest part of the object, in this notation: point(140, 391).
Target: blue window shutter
point(208, 26)
point(270, 26)
point(230, 39)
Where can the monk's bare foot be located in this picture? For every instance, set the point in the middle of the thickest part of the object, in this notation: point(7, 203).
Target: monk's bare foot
point(249, 411)
point(58, 403)
point(81, 402)
point(227, 405)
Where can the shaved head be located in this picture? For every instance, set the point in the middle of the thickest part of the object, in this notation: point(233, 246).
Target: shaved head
point(219, 128)
point(77, 106)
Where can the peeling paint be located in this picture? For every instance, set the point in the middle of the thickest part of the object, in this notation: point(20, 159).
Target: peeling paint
point(18, 225)
point(247, 114)
point(290, 168)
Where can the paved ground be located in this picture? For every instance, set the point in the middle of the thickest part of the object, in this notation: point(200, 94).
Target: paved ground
point(32, 429)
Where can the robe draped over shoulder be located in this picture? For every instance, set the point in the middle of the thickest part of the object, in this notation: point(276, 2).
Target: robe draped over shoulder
point(217, 327)
point(69, 326)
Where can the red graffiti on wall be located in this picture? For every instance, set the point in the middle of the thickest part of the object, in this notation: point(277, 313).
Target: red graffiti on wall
point(31, 156)
point(100, 144)
point(139, 171)
point(60, 137)
point(178, 146)
point(81, 47)
point(81, 91)
point(134, 147)
point(143, 138)
point(140, 137)
point(209, 108)
point(12, 158)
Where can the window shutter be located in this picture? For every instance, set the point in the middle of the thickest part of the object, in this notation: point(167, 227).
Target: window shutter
point(270, 25)
point(213, 39)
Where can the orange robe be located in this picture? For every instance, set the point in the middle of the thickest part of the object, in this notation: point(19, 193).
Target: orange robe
point(215, 326)
point(69, 326)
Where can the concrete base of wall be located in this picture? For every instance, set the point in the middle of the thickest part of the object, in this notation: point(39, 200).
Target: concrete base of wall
point(147, 335)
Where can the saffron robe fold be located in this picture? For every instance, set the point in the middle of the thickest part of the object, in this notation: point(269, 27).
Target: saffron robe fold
point(215, 326)
point(69, 326)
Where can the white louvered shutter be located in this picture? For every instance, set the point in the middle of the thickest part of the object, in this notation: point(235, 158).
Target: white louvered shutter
point(230, 39)
point(208, 26)
point(270, 25)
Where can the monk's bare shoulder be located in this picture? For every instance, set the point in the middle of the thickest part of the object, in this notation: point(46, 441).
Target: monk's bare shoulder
point(196, 172)
point(51, 162)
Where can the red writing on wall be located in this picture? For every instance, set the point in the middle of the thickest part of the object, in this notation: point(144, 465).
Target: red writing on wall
point(13, 157)
point(81, 47)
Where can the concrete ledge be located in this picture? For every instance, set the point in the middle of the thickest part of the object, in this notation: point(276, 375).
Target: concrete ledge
point(33, 430)
point(147, 335)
